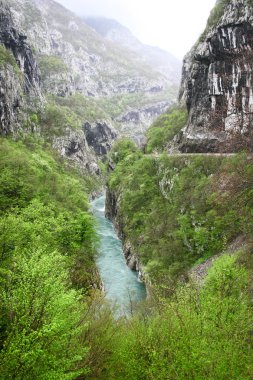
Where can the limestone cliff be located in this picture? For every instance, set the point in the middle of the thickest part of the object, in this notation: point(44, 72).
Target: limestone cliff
point(217, 83)
point(19, 75)
point(23, 96)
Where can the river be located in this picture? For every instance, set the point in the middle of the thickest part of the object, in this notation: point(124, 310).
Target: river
point(122, 287)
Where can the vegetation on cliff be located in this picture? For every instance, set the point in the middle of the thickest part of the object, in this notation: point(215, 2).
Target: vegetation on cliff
point(7, 58)
point(165, 128)
point(177, 212)
point(196, 334)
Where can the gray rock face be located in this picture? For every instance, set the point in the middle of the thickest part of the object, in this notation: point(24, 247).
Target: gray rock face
point(134, 122)
point(217, 85)
point(74, 146)
point(94, 66)
point(10, 100)
point(19, 77)
point(100, 137)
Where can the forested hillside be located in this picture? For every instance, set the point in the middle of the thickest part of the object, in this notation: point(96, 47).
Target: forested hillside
point(47, 248)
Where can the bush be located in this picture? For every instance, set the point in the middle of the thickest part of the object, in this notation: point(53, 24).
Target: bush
point(43, 318)
point(47, 250)
point(56, 119)
point(198, 333)
point(166, 212)
point(7, 58)
point(165, 128)
point(51, 65)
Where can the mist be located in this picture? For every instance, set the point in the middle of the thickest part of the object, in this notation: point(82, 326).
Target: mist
point(171, 25)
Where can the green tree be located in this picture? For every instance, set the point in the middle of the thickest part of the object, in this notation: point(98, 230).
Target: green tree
point(43, 319)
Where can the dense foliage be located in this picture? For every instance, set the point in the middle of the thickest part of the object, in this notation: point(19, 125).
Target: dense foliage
point(196, 334)
point(55, 120)
point(165, 128)
point(51, 65)
point(177, 211)
point(47, 264)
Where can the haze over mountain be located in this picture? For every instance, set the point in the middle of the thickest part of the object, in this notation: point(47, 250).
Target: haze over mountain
point(157, 58)
point(171, 25)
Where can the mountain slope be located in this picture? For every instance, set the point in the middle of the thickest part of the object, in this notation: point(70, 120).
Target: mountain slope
point(160, 60)
point(74, 59)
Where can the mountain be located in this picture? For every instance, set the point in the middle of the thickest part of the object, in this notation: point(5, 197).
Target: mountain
point(117, 86)
point(217, 83)
point(158, 59)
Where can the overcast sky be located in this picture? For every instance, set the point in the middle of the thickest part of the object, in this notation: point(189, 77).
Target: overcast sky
point(173, 25)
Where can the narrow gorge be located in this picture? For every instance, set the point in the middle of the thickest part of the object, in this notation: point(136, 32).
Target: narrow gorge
point(122, 286)
point(126, 233)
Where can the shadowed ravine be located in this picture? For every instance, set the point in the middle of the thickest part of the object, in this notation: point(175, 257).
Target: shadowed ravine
point(121, 284)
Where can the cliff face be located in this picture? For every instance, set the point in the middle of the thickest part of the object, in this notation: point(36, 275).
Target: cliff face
point(100, 137)
point(19, 75)
point(217, 83)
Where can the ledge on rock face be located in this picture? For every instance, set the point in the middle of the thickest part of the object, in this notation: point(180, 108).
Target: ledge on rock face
point(217, 85)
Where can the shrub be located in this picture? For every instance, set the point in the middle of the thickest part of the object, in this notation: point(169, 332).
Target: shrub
point(51, 65)
point(56, 119)
point(7, 58)
point(165, 128)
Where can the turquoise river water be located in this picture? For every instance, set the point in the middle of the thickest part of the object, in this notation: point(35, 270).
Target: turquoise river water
point(122, 287)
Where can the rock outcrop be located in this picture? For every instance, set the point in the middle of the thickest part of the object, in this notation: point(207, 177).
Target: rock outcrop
point(134, 122)
point(73, 146)
point(19, 74)
point(217, 83)
point(100, 136)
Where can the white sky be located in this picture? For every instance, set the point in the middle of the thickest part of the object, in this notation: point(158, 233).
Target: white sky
point(173, 25)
